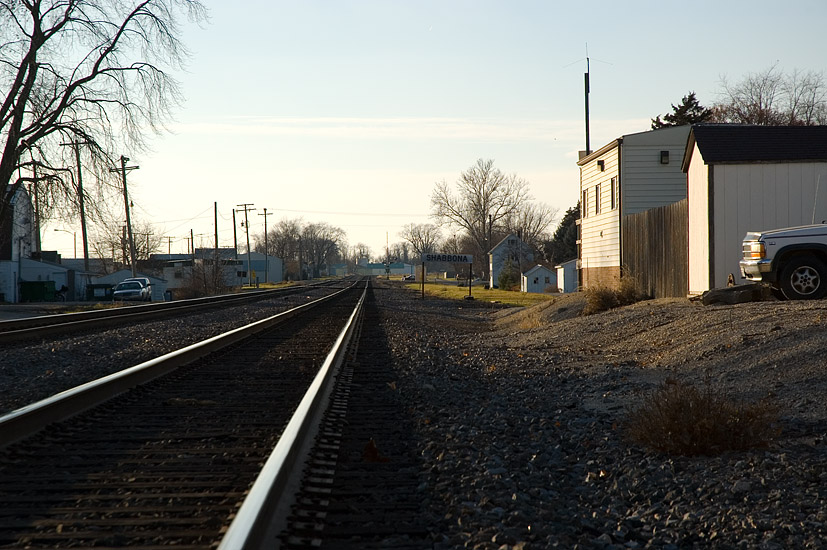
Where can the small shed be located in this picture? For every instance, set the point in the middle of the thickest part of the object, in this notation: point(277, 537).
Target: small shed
point(567, 276)
point(744, 178)
point(539, 279)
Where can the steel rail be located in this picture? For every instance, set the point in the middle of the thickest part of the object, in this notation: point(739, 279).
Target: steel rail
point(27, 420)
point(263, 514)
point(49, 325)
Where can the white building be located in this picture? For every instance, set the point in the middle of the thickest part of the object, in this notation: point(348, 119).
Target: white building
point(17, 241)
point(567, 276)
point(509, 250)
point(744, 178)
point(631, 174)
point(539, 279)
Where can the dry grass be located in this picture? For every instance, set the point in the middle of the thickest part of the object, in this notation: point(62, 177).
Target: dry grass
point(681, 419)
point(451, 291)
point(602, 298)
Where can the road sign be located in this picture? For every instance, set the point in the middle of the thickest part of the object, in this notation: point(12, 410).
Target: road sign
point(451, 258)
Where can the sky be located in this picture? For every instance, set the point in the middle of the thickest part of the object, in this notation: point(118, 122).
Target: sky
point(349, 111)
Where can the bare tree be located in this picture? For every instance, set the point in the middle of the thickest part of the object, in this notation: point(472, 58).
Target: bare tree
point(321, 244)
point(532, 223)
point(771, 97)
point(485, 197)
point(83, 71)
point(423, 237)
point(111, 241)
point(400, 252)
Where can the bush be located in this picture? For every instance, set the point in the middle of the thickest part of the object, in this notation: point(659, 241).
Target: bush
point(509, 277)
point(602, 298)
point(678, 418)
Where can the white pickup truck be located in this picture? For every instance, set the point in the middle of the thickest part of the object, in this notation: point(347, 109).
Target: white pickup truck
point(793, 260)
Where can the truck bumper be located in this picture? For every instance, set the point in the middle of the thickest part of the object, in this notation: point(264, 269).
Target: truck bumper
point(757, 270)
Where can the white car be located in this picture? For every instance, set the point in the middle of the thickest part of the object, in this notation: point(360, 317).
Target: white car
point(132, 290)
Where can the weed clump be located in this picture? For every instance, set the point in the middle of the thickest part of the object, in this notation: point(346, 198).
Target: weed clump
point(681, 419)
point(602, 298)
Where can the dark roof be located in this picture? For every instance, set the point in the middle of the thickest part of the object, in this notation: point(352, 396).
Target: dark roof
point(741, 143)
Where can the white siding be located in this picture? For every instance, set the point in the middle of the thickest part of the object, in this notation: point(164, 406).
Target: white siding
point(754, 197)
point(600, 233)
point(698, 184)
point(646, 182)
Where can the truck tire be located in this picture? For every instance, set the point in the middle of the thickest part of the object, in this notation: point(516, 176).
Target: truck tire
point(804, 278)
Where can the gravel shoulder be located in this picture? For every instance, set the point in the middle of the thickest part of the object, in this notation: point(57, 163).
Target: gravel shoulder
point(520, 419)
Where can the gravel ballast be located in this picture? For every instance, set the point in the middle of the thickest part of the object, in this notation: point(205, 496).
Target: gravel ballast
point(519, 416)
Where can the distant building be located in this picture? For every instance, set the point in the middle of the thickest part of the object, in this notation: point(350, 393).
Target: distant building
point(539, 279)
point(567, 276)
point(17, 241)
point(509, 250)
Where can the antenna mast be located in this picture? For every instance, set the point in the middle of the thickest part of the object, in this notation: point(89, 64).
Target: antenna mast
point(587, 90)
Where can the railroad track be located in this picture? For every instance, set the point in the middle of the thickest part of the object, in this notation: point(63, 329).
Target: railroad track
point(44, 326)
point(169, 459)
point(361, 487)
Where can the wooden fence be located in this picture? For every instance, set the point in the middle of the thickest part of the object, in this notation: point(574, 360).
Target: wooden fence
point(655, 249)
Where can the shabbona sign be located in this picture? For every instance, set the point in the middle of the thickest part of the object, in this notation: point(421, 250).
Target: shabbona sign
point(452, 258)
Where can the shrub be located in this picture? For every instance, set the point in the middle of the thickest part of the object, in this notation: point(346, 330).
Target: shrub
point(601, 298)
point(681, 419)
point(509, 277)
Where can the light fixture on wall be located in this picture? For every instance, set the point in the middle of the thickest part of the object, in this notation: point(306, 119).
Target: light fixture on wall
point(664, 157)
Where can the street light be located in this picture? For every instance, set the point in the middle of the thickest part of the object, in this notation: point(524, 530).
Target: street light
point(74, 237)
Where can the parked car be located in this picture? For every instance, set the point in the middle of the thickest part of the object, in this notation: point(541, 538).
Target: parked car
point(793, 260)
point(131, 291)
point(144, 282)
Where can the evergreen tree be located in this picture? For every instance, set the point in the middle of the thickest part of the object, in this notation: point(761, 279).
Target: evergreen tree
point(688, 112)
point(563, 245)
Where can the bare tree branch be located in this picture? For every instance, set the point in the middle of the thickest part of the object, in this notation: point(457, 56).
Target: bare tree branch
point(94, 71)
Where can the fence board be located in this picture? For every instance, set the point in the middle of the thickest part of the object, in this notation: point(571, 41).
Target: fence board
point(655, 249)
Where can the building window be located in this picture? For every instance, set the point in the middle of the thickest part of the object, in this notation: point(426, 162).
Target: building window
point(597, 199)
point(547, 280)
point(585, 208)
point(614, 193)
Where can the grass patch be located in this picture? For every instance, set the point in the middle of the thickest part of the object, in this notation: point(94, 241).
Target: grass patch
point(453, 292)
point(681, 419)
point(602, 298)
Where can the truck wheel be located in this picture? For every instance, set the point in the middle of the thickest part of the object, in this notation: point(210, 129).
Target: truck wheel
point(804, 278)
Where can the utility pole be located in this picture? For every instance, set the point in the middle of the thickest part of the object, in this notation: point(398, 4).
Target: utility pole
point(215, 224)
point(123, 170)
point(266, 257)
point(235, 244)
point(246, 208)
point(81, 198)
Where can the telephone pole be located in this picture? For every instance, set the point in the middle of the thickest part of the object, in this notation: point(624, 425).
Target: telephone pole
point(246, 208)
point(266, 258)
point(76, 146)
point(123, 170)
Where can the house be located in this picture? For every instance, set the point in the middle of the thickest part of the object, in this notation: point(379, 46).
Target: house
point(744, 178)
point(567, 276)
point(17, 241)
point(509, 251)
point(538, 279)
point(629, 175)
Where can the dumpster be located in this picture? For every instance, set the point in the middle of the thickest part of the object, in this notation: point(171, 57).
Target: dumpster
point(37, 291)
